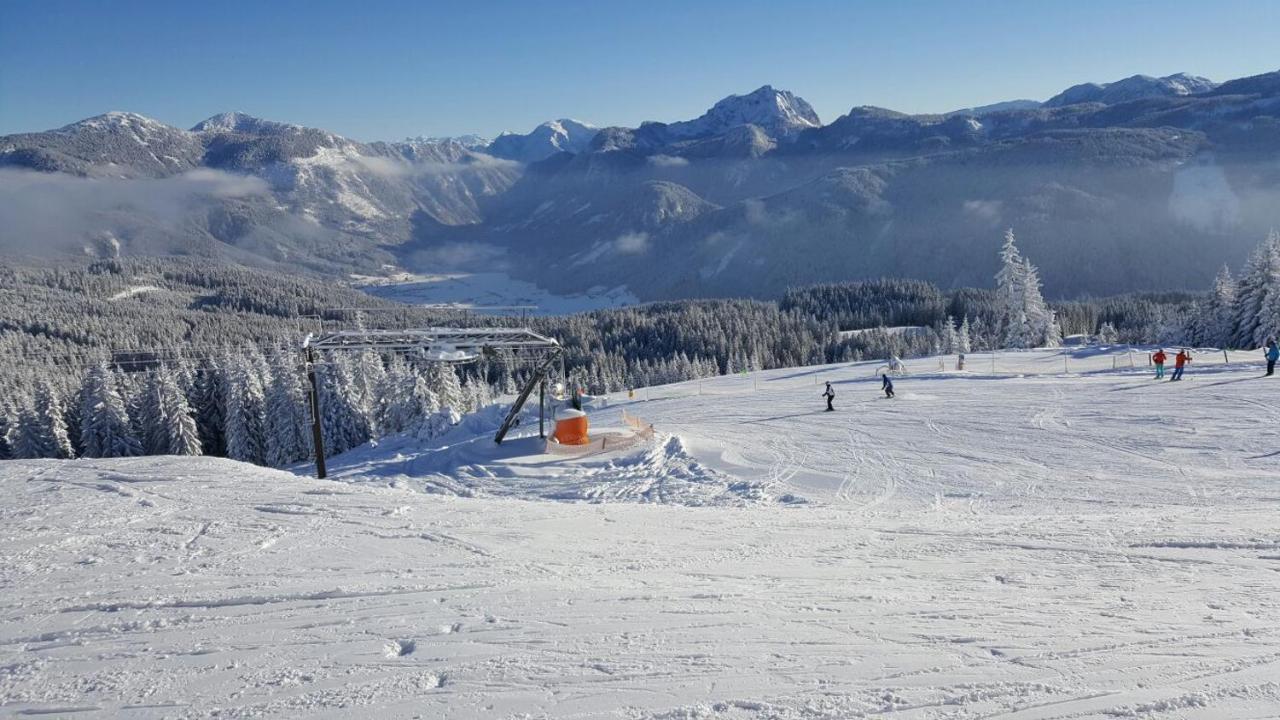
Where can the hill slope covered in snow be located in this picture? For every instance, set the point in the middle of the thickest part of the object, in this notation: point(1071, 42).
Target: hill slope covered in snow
point(1028, 544)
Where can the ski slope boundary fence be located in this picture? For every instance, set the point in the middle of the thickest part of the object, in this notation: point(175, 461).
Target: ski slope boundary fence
point(605, 441)
point(999, 364)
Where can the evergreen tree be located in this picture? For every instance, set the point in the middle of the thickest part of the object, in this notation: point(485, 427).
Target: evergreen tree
point(149, 418)
point(288, 418)
point(1011, 293)
point(950, 338)
point(413, 405)
point(964, 340)
point(245, 412)
point(210, 399)
point(25, 438)
point(1210, 325)
point(1269, 309)
point(6, 423)
point(175, 433)
point(1107, 334)
point(343, 417)
point(105, 429)
point(448, 389)
point(1261, 276)
point(53, 426)
point(1027, 319)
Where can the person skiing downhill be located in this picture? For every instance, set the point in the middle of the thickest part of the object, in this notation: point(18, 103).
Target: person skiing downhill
point(1179, 364)
point(1272, 354)
point(830, 395)
point(886, 385)
point(1159, 359)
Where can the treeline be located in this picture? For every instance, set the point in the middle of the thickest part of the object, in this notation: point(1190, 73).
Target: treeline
point(171, 355)
point(252, 407)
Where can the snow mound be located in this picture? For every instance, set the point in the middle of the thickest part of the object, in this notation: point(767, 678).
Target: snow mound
point(470, 464)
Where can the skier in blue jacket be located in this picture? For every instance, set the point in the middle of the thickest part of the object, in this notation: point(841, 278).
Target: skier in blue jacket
point(1272, 354)
point(887, 385)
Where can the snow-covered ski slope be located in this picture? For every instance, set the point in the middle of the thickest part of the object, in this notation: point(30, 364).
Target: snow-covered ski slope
point(1090, 545)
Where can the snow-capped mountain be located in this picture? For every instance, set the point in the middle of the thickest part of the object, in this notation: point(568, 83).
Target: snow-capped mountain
point(1136, 87)
point(549, 138)
point(753, 196)
point(113, 144)
point(243, 187)
point(779, 113)
point(470, 141)
point(238, 122)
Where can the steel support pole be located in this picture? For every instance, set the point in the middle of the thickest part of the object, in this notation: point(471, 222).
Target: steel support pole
point(317, 430)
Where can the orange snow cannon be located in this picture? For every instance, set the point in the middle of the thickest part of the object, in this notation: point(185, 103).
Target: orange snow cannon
point(571, 427)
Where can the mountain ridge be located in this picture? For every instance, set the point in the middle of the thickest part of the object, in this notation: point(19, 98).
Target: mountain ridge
point(737, 198)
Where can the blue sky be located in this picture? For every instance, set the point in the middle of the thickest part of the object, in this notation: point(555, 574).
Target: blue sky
point(385, 70)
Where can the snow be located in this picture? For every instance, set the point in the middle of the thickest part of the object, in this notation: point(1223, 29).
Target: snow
point(903, 330)
point(1026, 544)
point(499, 293)
point(133, 291)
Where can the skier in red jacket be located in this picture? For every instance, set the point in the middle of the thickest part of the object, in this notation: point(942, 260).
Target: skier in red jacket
point(1159, 359)
point(1179, 364)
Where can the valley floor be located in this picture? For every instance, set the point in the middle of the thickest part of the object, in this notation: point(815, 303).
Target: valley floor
point(1074, 546)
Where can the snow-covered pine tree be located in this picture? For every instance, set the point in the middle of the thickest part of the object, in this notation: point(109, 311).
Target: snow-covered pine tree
point(1041, 324)
point(50, 410)
point(210, 406)
point(133, 388)
point(508, 381)
point(343, 418)
point(25, 438)
point(105, 430)
point(448, 389)
point(6, 422)
point(1210, 324)
point(245, 412)
point(1011, 294)
point(72, 408)
point(178, 433)
point(1107, 334)
point(413, 405)
point(964, 341)
point(393, 388)
point(149, 417)
point(1027, 319)
point(949, 336)
point(288, 418)
point(1269, 311)
point(1269, 316)
point(367, 374)
point(1261, 275)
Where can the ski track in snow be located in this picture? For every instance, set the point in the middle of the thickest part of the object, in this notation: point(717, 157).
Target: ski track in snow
point(1031, 548)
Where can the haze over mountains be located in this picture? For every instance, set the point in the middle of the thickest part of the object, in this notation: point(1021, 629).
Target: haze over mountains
point(1140, 184)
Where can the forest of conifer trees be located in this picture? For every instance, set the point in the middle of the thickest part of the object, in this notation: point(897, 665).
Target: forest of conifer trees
point(169, 356)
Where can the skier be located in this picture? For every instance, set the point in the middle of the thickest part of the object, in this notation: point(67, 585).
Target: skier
point(829, 394)
point(1159, 359)
point(886, 385)
point(1179, 364)
point(1272, 354)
